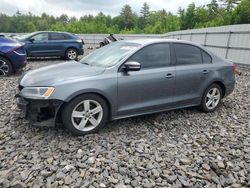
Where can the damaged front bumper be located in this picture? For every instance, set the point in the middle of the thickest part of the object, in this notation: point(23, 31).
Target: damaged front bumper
point(40, 112)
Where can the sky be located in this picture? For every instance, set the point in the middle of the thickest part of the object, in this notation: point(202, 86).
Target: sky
point(78, 8)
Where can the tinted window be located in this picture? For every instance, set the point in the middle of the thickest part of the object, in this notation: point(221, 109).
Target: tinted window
point(57, 36)
point(40, 37)
point(206, 58)
point(187, 54)
point(155, 55)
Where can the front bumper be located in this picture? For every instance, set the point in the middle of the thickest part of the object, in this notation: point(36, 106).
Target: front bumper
point(40, 112)
point(81, 51)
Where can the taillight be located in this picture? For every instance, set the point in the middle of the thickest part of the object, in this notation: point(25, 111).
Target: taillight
point(234, 66)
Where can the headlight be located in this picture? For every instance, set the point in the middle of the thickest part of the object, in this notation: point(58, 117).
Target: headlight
point(37, 92)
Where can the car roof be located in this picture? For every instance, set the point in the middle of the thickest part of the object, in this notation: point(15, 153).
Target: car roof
point(145, 42)
point(66, 33)
point(37, 32)
point(157, 40)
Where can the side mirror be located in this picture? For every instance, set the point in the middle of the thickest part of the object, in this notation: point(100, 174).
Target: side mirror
point(131, 66)
point(31, 40)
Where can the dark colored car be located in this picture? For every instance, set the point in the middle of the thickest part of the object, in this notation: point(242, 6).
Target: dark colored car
point(12, 56)
point(49, 44)
point(125, 79)
point(108, 40)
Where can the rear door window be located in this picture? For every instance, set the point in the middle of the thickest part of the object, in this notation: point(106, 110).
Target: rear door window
point(187, 54)
point(57, 36)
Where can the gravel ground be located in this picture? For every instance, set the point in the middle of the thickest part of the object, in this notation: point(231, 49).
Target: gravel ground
point(183, 148)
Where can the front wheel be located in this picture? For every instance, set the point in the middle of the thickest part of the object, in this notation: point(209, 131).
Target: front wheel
point(85, 114)
point(71, 54)
point(211, 98)
point(5, 67)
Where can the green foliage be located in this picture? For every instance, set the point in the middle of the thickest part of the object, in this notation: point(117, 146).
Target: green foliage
point(230, 4)
point(145, 15)
point(127, 18)
point(128, 22)
point(241, 14)
point(213, 9)
point(30, 27)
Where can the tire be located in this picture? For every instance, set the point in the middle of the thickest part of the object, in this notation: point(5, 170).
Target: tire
point(5, 67)
point(79, 124)
point(71, 54)
point(102, 44)
point(211, 98)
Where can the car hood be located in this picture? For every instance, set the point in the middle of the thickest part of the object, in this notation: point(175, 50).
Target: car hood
point(55, 74)
point(7, 44)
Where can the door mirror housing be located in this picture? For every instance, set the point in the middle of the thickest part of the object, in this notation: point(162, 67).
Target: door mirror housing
point(131, 66)
point(31, 40)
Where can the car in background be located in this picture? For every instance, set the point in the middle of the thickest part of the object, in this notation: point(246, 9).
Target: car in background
point(12, 56)
point(125, 79)
point(107, 40)
point(51, 44)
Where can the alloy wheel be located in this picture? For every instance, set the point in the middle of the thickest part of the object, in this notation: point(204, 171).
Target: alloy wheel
point(72, 54)
point(213, 98)
point(4, 68)
point(87, 115)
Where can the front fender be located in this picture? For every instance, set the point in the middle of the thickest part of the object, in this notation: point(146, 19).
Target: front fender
point(84, 91)
point(106, 97)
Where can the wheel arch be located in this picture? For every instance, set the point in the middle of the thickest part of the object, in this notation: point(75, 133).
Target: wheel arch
point(70, 98)
point(69, 47)
point(218, 82)
point(222, 86)
point(3, 56)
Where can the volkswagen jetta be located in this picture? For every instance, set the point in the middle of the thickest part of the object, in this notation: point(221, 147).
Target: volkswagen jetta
point(124, 79)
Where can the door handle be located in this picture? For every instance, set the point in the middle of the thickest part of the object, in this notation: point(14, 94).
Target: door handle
point(168, 76)
point(205, 71)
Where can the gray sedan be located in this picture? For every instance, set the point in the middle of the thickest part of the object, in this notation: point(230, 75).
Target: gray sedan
point(125, 79)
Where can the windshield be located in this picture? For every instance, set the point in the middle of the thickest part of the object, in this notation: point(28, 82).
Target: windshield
point(25, 36)
point(110, 55)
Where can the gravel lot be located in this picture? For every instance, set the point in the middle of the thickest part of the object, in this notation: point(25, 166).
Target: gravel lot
point(183, 148)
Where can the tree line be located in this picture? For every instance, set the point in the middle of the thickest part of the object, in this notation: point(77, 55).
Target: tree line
point(216, 13)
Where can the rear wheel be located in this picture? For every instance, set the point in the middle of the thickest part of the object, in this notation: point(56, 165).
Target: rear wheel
point(85, 114)
point(72, 54)
point(5, 67)
point(211, 98)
